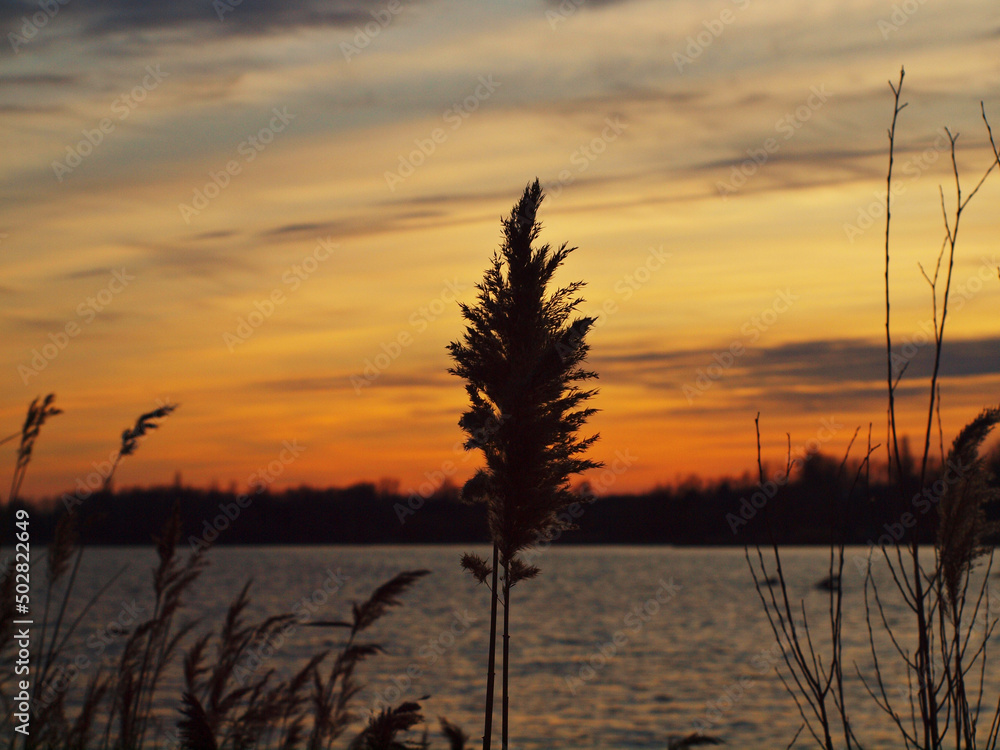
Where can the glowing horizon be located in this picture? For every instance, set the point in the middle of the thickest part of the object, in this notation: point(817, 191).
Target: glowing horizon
point(270, 214)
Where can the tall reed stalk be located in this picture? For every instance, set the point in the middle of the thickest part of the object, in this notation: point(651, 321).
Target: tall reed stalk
point(521, 357)
point(939, 598)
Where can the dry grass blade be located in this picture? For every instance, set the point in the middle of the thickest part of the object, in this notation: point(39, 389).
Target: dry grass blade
point(477, 566)
point(166, 541)
point(385, 596)
point(130, 437)
point(61, 549)
point(521, 571)
point(193, 669)
point(196, 733)
point(241, 710)
point(361, 651)
point(125, 700)
point(380, 734)
point(331, 698)
point(39, 411)
point(454, 734)
point(7, 587)
point(79, 736)
point(153, 644)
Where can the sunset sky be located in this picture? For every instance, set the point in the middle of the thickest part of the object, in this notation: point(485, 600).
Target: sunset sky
point(268, 213)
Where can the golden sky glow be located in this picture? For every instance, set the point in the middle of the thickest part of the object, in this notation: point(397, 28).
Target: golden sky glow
point(269, 218)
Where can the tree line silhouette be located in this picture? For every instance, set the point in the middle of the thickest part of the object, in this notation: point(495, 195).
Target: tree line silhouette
point(820, 501)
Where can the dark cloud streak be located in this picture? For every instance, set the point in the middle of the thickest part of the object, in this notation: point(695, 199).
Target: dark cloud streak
point(805, 364)
point(246, 18)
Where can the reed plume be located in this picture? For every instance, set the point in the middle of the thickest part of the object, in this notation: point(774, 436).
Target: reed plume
point(331, 698)
point(962, 522)
point(382, 729)
point(39, 411)
point(521, 356)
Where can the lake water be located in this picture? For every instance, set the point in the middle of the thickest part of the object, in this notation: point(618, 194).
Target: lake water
point(612, 648)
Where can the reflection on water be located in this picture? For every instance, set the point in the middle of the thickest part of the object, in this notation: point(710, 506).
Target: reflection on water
point(611, 647)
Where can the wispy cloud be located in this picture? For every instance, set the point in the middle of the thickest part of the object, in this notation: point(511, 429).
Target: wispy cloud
point(821, 363)
point(249, 17)
point(361, 116)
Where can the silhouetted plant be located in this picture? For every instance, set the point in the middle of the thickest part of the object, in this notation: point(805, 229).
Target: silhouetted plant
point(38, 412)
point(221, 709)
point(131, 695)
point(331, 698)
point(521, 358)
point(229, 707)
point(944, 609)
point(382, 729)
